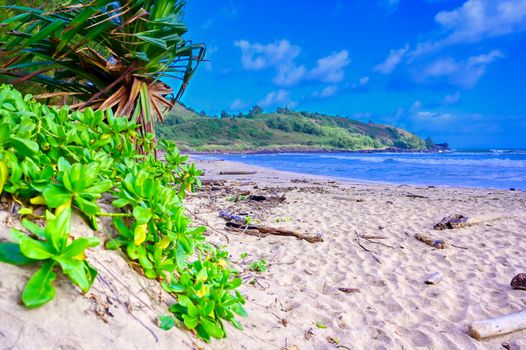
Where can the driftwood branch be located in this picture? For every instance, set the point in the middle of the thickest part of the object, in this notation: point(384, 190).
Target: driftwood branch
point(261, 231)
point(238, 172)
point(373, 254)
point(498, 326)
point(437, 243)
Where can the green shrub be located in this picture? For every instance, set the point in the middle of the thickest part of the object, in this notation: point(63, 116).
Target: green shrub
point(66, 161)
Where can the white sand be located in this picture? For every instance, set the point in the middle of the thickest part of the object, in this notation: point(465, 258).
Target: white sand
point(393, 310)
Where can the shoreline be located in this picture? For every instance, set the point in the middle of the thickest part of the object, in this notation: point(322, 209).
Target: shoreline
point(269, 172)
point(310, 150)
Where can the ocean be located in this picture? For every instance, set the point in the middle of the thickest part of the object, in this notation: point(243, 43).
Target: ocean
point(500, 169)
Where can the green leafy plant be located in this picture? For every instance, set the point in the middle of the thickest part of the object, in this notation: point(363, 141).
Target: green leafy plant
point(51, 247)
point(79, 184)
point(205, 298)
point(67, 161)
point(258, 266)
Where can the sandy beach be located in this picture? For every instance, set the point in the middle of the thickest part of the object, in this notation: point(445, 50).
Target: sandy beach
point(393, 309)
point(361, 288)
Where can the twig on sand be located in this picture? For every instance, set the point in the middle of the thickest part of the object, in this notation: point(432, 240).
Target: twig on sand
point(238, 172)
point(370, 239)
point(373, 254)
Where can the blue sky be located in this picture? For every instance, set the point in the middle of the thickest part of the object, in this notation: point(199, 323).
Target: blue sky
point(454, 70)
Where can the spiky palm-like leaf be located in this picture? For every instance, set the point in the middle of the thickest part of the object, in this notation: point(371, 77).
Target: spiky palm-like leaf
point(102, 54)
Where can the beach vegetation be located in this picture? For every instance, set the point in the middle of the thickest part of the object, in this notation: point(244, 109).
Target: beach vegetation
point(258, 265)
point(66, 161)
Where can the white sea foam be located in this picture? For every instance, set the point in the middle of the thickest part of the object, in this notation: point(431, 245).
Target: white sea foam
point(487, 162)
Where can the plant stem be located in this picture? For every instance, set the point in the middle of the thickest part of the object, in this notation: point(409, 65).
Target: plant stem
point(115, 214)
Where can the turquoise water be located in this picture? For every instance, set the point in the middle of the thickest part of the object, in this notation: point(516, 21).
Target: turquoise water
point(502, 169)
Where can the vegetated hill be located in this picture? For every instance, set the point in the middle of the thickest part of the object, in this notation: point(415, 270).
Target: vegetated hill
point(284, 130)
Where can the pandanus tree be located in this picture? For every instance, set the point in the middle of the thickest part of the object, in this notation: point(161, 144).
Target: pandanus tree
point(102, 54)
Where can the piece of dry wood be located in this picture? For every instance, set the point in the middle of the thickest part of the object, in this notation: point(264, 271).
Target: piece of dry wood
point(437, 243)
point(452, 222)
point(238, 172)
point(247, 231)
point(209, 182)
point(349, 290)
point(260, 230)
point(372, 237)
point(498, 326)
point(279, 231)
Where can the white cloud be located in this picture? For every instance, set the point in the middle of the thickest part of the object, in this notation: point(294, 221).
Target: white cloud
point(330, 69)
point(278, 98)
point(393, 59)
point(476, 20)
point(258, 56)
point(415, 107)
point(461, 73)
point(238, 104)
point(329, 90)
point(281, 56)
point(289, 75)
point(364, 80)
point(451, 99)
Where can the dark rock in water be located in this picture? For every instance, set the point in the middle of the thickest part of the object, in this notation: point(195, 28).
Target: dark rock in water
point(519, 281)
point(512, 189)
point(451, 222)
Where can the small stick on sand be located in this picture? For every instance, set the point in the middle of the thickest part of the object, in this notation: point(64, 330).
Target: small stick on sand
point(349, 290)
point(498, 326)
point(437, 243)
point(373, 254)
point(260, 230)
point(238, 172)
point(372, 237)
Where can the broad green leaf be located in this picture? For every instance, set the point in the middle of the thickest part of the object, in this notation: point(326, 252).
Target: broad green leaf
point(34, 228)
point(39, 289)
point(238, 309)
point(122, 229)
point(212, 328)
point(10, 253)
point(76, 271)
point(101, 187)
point(143, 258)
point(56, 196)
point(3, 175)
point(139, 234)
point(79, 245)
point(190, 322)
point(143, 215)
point(89, 208)
point(32, 248)
point(192, 309)
point(236, 323)
point(23, 146)
point(166, 322)
point(58, 228)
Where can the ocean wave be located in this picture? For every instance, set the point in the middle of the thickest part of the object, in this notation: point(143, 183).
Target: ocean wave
point(488, 162)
